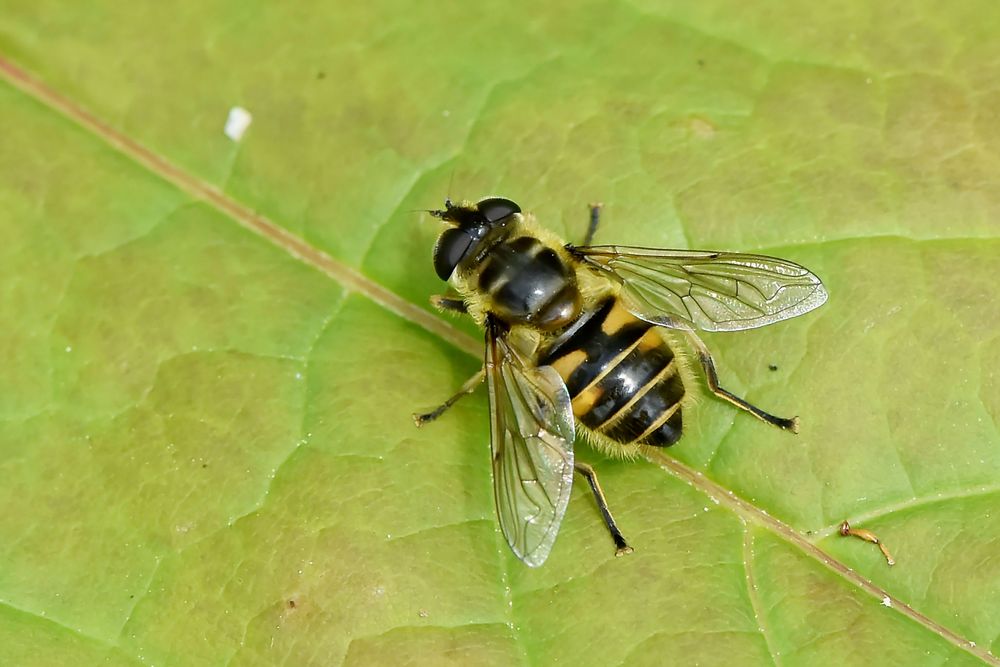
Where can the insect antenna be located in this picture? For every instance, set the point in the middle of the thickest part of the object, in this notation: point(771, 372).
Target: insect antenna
point(433, 212)
point(451, 182)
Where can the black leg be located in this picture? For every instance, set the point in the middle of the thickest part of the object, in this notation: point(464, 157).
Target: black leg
point(467, 388)
point(442, 302)
point(602, 504)
point(705, 357)
point(595, 218)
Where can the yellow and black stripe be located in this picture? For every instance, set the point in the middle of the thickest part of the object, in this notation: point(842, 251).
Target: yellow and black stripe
point(623, 378)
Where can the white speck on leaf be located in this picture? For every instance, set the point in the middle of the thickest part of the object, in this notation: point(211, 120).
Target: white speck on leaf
point(237, 122)
point(886, 602)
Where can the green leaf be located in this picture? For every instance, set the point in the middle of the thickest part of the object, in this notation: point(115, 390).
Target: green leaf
point(212, 348)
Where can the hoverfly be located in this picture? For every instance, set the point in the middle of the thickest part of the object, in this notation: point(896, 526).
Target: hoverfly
point(583, 339)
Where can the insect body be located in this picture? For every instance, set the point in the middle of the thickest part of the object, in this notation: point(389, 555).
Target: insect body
point(623, 378)
point(586, 339)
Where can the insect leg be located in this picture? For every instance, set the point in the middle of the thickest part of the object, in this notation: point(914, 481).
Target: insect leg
point(467, 388)
point(595, 218)
point(602, 504)
point(442, 302)
point(705, 357)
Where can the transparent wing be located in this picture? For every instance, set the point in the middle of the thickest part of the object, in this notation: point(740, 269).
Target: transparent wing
point(711, 291)
point(532, 432)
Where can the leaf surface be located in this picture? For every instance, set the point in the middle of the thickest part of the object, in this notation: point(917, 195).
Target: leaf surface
point(212, 348)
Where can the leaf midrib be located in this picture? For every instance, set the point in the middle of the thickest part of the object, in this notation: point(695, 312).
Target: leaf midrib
point(352, 280)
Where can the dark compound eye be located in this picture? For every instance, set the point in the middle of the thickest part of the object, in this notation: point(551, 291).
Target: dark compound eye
point(449, 251)
point(497, 208)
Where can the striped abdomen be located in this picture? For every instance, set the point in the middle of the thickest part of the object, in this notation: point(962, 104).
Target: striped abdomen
point(623, 378)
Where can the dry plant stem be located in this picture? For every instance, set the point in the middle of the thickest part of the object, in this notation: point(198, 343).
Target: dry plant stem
point(867, 536)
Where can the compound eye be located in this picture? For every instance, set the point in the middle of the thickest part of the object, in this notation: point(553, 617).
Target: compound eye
point(449, 251)
point(497, 208)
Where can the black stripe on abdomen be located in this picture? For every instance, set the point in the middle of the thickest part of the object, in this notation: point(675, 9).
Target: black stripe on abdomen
point(627, 380)
point(653, 419)
point(590, 349)
point(621, 375)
